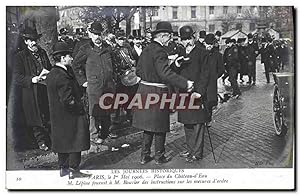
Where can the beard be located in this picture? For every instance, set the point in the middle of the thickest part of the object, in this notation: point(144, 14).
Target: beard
point(33, 48)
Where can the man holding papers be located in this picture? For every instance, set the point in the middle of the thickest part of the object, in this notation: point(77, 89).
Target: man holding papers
point(31, 67)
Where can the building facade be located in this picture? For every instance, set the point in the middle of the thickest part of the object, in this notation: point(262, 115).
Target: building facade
point(209, 18)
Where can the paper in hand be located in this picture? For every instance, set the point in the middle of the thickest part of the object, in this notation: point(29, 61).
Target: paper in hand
point(43, 74)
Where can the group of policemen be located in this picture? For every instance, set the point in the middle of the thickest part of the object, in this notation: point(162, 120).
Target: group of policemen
point(88, 67)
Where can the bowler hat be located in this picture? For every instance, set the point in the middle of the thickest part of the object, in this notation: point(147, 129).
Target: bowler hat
point(63, 31)
point(31, 33)
point(210, 39)
point(240, 40)
point(250, 36)
point(232, 40)
point(96, 28)
point(202, 34)
point(186, 32)
point(61, 47)
point(79, 31)
point(227, 41)
point(218, 33)
point(163, 26)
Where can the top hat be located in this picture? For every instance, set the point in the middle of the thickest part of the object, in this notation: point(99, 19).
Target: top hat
point(202, 34)
point(61, 47)
point(186, 32)
point(63, 31)
point(218, 33)
point(210, 39)
point(96, 28)
point(163, 26)
point(240, 40)
point(79, 31)
point(31, 33)
point(250, 36)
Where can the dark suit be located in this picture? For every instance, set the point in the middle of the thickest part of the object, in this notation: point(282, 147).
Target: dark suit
point(196, 69)
point(233, 66)
point(267, 57)
point(33, 96)
point(251, 53)
point(153, 67)
point(94, 65)
point(70, 134)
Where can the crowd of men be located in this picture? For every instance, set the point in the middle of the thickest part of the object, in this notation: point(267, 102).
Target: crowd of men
point(62, 99)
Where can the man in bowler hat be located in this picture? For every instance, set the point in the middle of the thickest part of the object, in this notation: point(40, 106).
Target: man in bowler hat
point(192, 65)
point(94, 70)
point(199, 43)
point(156, 74)
point(70, 134)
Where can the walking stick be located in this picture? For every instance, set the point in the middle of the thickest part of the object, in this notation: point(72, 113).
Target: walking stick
point(210, 143)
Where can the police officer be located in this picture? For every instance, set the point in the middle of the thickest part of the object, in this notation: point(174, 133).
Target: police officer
point(225, 54)
point(252, 52)
point(80, 39)
point(156, 74)
point(94, 70)
point(232, 58)
point(63, 32)
point(242, 58)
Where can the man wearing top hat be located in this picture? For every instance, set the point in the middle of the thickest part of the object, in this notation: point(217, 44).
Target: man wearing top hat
point(252, 52)
point(202, 35)
point(94, 70)
point(192, 65)
point(226, 74)
point(70, 134)
point(31, 67)
point(63, 32)
point(156, 76)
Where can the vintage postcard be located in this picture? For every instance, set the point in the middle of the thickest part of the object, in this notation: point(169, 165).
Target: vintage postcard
point(145, 97)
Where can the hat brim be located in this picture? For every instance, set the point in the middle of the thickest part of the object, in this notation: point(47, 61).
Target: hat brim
point(61, 51)
point(95, 31)
point(162, 30)
point(30, 36)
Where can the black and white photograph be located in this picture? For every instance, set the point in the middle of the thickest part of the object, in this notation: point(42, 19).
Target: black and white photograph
point(123, 97)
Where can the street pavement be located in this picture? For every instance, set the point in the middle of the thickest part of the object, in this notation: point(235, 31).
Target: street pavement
point(242, 136)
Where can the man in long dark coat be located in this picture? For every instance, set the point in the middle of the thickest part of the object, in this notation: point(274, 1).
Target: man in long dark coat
point(267, 57)
point(93, 69)
point(156, 74)
point(216, 70)
point(196, 69)
point(233, 66)
point(252, 52)
point(200, 42)
point(30, 62)
point(70, 134)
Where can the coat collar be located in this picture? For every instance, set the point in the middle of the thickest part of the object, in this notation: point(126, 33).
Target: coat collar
point(68, 71)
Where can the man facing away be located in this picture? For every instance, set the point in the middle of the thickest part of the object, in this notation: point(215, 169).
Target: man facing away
point(156, 74)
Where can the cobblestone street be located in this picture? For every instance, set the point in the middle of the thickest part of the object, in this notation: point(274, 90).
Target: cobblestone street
point(242, 134)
